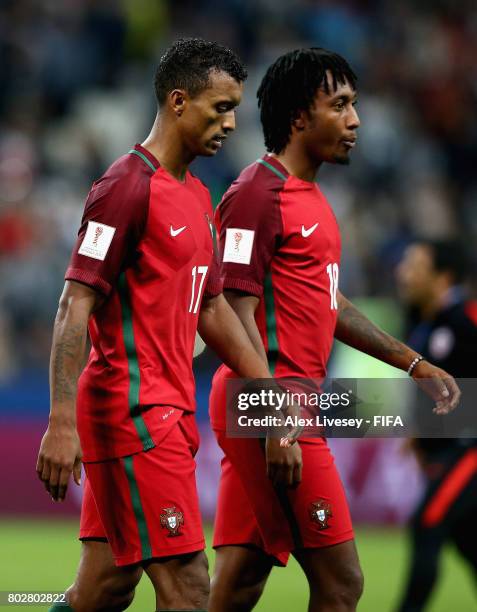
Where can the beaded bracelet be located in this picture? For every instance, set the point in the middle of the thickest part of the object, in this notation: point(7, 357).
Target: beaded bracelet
point(414, 363)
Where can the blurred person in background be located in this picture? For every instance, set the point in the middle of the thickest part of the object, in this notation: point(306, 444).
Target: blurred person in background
point(142, 280)
point(280, 246)
point(443, 328)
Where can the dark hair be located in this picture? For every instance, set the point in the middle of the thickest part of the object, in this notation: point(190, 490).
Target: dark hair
point(289, 87)
point(187, 64)
point(449, 256)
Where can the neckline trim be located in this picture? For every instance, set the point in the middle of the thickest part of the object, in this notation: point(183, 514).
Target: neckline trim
point(144, 158)
point(272, 168)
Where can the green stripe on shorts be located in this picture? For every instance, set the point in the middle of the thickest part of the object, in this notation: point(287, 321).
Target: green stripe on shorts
point(137, 507)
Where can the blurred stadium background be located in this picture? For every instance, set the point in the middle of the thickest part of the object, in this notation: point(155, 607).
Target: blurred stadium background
point(76, 92)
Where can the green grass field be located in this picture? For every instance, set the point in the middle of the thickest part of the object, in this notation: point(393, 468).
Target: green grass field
point(42, 556)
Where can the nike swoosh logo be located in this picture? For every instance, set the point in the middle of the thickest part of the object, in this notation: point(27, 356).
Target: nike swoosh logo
point(308, 232)
point(177, 231)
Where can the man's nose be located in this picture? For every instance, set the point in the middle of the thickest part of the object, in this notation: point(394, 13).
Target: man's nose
point(228, 124)
point(353, 119)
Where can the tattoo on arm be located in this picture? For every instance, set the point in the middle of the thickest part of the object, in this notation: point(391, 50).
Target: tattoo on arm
point(357, 331)
point(66, 362)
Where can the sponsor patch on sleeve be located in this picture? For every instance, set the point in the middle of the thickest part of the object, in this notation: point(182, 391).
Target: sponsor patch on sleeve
point(238, 245)
point(97, 240)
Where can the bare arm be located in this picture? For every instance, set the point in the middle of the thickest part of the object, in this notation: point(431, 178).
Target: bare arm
point(233, 334)
point(245, 306)
point(60, 450)
point(221, 329)
point(357, 331)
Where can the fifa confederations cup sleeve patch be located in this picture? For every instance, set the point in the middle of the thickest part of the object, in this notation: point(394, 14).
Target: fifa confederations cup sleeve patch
point(97, 240)
point(238, 245)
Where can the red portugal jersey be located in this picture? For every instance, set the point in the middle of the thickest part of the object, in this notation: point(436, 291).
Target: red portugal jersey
point(280, 241)
point(145, 243)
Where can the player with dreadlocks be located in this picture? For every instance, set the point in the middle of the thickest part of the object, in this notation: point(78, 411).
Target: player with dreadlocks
point(280, 250)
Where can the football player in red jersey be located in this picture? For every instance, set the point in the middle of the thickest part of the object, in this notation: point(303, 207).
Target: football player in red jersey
point(141, 281)
point(280, 264)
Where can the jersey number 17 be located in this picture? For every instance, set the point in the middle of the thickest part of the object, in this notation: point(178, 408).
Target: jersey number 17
point(195, 297)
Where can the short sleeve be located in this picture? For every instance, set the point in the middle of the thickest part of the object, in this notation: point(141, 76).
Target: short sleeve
point(114, 218)
point(249, 230)
point(214, 281)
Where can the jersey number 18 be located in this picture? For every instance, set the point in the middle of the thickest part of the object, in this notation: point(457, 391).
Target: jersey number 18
point(333, 272)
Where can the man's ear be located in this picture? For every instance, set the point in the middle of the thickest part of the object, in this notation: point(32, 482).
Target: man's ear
point(177, 100)
point(299, 122)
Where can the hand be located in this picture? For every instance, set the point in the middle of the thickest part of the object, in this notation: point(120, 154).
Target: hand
point(439, 385)
point(284, 465)
point(295, 432)
point(59, 455)
point(292, 436)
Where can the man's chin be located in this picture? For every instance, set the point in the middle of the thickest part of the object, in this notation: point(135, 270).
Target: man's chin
point(342, 160)
point(206, 152)
point(210, 150)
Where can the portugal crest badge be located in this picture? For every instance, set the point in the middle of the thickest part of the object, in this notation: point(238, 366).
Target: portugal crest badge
point(320, 511)
point(172, 519)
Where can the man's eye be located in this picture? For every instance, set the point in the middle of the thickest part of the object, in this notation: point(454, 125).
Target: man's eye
point(339, 106)
point(222, 108)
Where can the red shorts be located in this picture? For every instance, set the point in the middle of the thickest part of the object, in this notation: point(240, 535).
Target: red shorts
point(146, 504)
point(251, 511)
